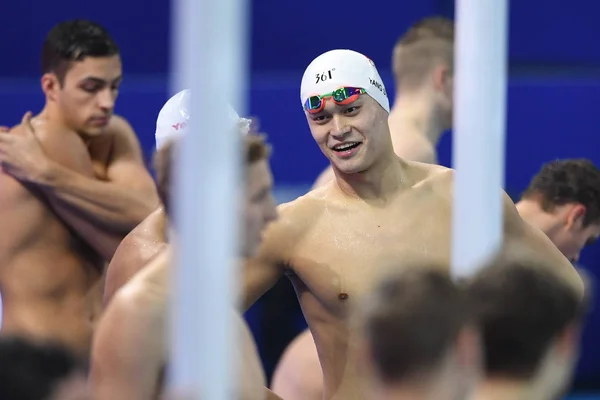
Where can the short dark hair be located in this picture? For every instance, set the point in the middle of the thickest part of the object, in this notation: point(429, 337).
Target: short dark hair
point(256, 149)
point(32, 371)
point(426, 43)
point(411, 320)
point(567, 181)
point(519, 310)
point(75, 40)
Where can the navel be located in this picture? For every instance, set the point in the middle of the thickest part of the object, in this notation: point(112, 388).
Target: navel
point(343, 296)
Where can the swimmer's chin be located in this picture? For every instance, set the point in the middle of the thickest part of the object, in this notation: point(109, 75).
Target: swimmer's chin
point(91, 132)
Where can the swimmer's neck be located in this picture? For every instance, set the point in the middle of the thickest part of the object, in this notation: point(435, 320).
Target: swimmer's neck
point(416, 115)
point(378, 183)
point(500, 389)
point(54, 116)
point(532, 213)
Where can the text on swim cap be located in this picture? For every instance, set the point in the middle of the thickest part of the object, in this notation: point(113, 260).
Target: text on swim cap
point(323, 76)
point(378, 86)
point(179, 125)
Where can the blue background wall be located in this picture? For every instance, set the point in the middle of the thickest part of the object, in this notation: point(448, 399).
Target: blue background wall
point(554, 88)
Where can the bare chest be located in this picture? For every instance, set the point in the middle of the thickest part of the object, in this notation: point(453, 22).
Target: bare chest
point(344, 253)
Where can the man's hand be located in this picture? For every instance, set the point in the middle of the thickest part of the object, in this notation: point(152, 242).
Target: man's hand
point(21, 153)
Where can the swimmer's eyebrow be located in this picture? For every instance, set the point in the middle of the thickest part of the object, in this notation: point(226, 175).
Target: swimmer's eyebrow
point(100, 80)
point(321, 113)
point(355, 103)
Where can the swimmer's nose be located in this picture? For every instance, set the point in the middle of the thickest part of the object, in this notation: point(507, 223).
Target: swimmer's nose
point(106, 100)
point(339, 127)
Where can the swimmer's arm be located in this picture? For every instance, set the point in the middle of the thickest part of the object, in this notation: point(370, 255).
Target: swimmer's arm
point(118, 204)
point(525, 243)
point(125, 362)
point(126, 262)
point(416, 151)
point(103, 242)
point(259, 276)
point(263, 271)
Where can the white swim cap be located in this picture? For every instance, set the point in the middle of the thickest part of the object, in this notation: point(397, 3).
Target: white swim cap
point(338, 68)
point(173, 118)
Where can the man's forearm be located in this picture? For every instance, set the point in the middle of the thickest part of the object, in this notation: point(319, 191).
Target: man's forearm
point(110, 206)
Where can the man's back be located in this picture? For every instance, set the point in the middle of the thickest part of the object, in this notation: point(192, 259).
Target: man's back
point(45, 271)
point(130, 353)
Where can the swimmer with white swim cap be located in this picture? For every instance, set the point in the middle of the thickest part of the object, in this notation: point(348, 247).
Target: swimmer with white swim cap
point(424, 75)
point(422, 111)
point(562, 200)
point(379, 212)
point(130, 352)
point(149, 237)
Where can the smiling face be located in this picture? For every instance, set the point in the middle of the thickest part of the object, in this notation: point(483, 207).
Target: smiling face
point(351, 136)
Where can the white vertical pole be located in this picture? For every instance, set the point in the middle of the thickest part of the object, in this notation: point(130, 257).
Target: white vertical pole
point(479, 131)
point(212, 37)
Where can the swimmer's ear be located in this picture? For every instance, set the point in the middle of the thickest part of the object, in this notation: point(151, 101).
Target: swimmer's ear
point(575, 216)
point(50, 86)
point(441, 77)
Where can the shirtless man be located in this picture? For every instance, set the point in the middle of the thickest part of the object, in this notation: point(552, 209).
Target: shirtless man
point(149, 238)
point(423, 70)
point(418, 338)
point(379, 212)
point(79, 179)
point(532, 354)
point(128, 363)
point(562, 200)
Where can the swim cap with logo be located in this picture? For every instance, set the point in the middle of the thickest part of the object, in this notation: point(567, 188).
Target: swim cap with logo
point(174, 116)
point(338, 68)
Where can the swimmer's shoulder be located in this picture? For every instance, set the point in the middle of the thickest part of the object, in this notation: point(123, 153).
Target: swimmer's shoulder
point(119, 129)
point(423, 173)
point(56, 138)
point(151, 282)
point(294, 219)
point(152, 228)
point(304, 206)
point(136, 249)
point(45, 130)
